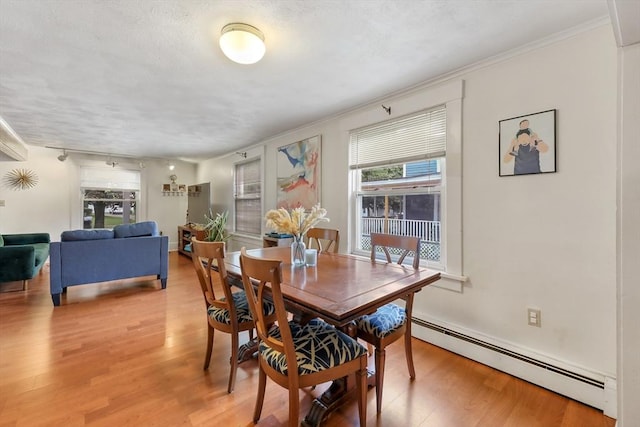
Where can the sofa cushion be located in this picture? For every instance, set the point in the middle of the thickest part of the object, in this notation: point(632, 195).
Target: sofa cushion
point(95, 234)
point(145, 228)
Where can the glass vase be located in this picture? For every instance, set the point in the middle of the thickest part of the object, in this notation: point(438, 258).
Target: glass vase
point(297, 252)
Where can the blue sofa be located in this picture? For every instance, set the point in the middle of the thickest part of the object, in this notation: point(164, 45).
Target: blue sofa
point(22, 256)
point(100, 255)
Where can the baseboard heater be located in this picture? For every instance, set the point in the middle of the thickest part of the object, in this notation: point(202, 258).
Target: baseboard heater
point(506, 352)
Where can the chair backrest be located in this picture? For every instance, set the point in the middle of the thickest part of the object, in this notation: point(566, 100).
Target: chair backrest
point(261, 280)
point(206, 255)
point(329, 236)
point(407, 244)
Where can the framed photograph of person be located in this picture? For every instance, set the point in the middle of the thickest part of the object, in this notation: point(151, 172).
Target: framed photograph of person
point(527, 144)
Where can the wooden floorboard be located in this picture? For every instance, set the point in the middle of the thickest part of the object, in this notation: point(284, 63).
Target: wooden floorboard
point(126, 353)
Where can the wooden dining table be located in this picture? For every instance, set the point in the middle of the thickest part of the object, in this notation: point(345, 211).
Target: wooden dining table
point(338, 289)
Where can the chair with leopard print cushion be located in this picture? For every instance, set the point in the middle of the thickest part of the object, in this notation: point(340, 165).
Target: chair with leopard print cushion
point(390, 322)
point(227, 311)
point(294, 355)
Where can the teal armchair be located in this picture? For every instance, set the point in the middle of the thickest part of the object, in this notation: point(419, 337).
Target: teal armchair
point(22, 256)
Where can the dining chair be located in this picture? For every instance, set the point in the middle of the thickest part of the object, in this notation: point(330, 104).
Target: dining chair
point(390, 322)
point(330, 237)
point(296, 355)
point(227, 312)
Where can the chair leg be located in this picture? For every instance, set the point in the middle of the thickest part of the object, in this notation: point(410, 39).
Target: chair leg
point(207, 357)
point(380, 356)
point(361, 384)
point(234, 361)
point(294, 407)
point(409, 353)
point(24, 285)
point(262, 383)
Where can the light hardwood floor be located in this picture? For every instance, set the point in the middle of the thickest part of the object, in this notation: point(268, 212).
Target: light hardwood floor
point(127, 353)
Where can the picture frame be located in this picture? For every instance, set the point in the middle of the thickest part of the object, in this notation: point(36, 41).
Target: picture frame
point(527, 144)
point(298, 170)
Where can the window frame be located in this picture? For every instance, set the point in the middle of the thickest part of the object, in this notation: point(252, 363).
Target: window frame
point(135, 201)
point(93, 176)
point(431, 152)
point(449, 94)
point(257, 196)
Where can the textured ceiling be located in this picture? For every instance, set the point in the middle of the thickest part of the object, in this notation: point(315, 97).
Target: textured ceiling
point(146, 78)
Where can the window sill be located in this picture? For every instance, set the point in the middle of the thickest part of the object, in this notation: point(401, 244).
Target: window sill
point(454, 277)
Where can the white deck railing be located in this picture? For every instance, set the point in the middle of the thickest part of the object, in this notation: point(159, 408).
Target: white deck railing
point(428, 231)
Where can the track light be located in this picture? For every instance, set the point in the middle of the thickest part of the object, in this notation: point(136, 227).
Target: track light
point(62, 157)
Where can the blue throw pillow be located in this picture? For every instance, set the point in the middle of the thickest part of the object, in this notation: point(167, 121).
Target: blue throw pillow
point(94, 234)
point(145, 228)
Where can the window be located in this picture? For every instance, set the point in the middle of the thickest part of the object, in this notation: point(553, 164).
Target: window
point(109, 196)
point(399, 181)
point(106, 208)
point(248, 197)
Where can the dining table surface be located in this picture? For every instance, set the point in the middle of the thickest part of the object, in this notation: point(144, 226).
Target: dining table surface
point(340, 287)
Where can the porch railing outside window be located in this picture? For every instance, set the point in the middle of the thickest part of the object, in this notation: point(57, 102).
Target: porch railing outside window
point(428, 231)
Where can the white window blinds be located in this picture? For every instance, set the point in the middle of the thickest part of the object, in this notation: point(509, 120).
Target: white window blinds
point(248, 192)
point(109, 178)
point(416, 137)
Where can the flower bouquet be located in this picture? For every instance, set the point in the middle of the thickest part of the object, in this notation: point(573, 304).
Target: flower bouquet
point(297, 223)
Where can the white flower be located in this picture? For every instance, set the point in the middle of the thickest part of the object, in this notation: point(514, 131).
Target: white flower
point(297, 222)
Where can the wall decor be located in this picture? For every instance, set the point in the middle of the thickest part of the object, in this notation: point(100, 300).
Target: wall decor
point(527, 144)
point(21, 179)
point(298, 174)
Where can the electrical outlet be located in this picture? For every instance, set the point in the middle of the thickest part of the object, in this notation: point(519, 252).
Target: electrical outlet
point(533, 316)
point(1, 203)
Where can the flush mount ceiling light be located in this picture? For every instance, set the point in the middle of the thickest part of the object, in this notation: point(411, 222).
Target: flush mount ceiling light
point(242, 43)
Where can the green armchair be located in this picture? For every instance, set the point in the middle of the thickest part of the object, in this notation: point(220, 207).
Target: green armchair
point(22, 256)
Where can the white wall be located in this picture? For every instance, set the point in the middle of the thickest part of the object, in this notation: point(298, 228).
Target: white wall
point(629, 239)
point(168, 210)
point(45, 208)
point(55, 203)
point(547, 241)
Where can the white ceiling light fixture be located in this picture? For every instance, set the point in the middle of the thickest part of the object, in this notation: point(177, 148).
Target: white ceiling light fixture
point(242, 43)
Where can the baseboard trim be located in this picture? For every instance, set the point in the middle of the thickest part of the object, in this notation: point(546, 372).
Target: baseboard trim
point(593, 389)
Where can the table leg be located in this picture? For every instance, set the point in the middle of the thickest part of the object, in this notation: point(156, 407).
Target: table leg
point(340, 391)
point(247, 350)
point(336, 395)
